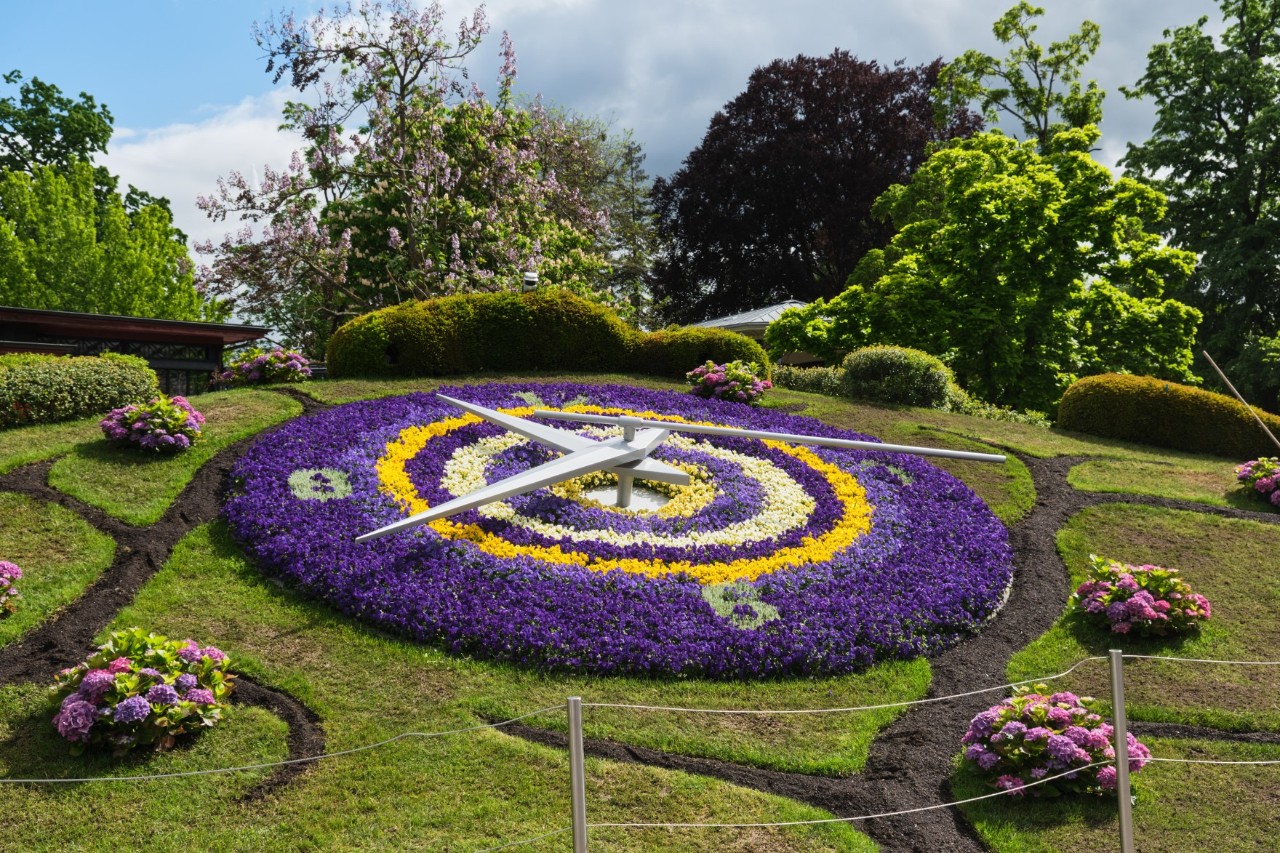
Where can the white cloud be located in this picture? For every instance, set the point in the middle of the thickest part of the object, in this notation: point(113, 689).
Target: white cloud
point(183, 161)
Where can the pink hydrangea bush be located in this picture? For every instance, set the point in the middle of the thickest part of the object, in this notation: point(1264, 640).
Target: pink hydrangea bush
point(1146, 601)
point(257, 366)
point(9, 572)
point(141, 689)
point(1034, 735)
point(735, 380)
point(166, 424)
point(1262, 478)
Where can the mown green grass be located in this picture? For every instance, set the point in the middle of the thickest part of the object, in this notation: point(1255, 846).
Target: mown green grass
point(463, 791)
point(58, 552)
point(20, 445)
point(1232, 563)
point(1203, 480)
point(137, 486)
point(1180, 807)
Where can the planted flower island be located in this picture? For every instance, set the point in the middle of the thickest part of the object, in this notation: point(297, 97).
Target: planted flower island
point(752, 558)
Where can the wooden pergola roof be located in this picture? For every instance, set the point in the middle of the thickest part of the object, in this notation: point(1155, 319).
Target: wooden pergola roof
point(19, 323)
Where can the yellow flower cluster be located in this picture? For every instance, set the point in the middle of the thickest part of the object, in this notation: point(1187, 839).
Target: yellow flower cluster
point(854, 522)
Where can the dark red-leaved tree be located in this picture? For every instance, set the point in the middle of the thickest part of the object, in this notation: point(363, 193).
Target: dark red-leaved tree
point(775, 203)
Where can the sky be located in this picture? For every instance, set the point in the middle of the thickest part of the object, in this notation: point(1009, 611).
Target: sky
point(191, 100)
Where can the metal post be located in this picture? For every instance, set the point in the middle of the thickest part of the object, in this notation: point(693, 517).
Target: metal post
point(577, 776)
point(1123, 795)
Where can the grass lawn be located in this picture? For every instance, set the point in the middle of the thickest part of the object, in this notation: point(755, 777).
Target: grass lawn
point(479, 789)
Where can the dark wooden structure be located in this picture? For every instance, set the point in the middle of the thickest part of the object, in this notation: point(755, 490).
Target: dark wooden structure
point(183, 354)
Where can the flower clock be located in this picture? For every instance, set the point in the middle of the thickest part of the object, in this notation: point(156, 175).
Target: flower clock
point(743, 557)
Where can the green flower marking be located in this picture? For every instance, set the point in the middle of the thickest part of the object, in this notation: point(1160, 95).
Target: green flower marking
point(739, 603)
point(319, 484)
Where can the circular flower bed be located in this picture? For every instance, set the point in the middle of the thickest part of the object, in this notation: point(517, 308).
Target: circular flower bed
point(776, 560)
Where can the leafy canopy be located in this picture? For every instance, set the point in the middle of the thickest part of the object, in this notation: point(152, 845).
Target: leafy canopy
point(1038, 87)
point(1022, 269)
point(1215, 152)
point(775, 202)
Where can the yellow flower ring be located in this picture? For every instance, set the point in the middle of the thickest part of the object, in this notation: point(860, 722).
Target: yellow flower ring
point(855, 521)
point(777, 560)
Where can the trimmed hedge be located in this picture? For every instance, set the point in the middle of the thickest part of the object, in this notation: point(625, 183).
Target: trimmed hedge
point(37, 389)
point(548, 329)
point(672, 353)
point(899, 375)
point(1152, 411)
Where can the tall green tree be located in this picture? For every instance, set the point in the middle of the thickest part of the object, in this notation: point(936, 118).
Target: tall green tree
point(68, 240)
point(1037, 86)
point(61, 249)
point(1215, 152)
point(1023, 270)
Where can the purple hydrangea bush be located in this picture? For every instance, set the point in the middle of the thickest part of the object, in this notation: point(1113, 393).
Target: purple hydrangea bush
point(735, 381)
point(9, 572)
point(1034, 735)
point(141, 689)
point(933, 566)
point(1146, 601)
point(258, 366)
point(1262, 477)
point(165, 425)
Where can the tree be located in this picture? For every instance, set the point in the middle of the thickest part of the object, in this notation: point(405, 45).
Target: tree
point(1215, 151)
point(775, 201)
point(1023, 270)
point(438, 190)
point(66, 247)
point(60, 249)
point(1027, 84)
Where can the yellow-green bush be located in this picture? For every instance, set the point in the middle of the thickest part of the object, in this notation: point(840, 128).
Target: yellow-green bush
point(674, 352)
point(37, 389)
point(1165, 414)
point(902, 375)
point(548, 329)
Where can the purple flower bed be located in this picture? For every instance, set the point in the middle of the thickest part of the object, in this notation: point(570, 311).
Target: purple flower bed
point(932, 566)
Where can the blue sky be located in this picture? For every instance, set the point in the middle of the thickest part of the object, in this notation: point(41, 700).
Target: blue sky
point(191, 100)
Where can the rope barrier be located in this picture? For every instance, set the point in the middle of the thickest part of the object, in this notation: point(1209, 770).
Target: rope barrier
point(524, 841)
point(1205, 660)
point(842, 710)
point(307, 760)
point(1208, 761)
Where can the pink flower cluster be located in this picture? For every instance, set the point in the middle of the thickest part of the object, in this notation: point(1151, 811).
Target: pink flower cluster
point(734, 381)
point(259, 366)
point(1262, 476)
point(138, 689)
point(1035, 735)
point(9, 572)
point(1143, 600)
point(167, 424)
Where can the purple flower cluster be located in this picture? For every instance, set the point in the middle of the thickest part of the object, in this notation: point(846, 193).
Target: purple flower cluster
point(933, 567)
point(256, 366)
point(1034, 735)
point(734, 381)
point(9, 572)
point(167, 424)
point(1262, 477)
point(1144, 600)
point(140, 688)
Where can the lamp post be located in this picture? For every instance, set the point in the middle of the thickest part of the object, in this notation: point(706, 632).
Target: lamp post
point(530, 282)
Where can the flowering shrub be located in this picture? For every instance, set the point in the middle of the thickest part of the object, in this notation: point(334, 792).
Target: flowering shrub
point(1262, 477)
point(139, 689)
point(262, 366)
point(1034, 735)
point(1147, 601)
point(8, 595)
point(735, 380)
point(776, 560)
point(165, 424)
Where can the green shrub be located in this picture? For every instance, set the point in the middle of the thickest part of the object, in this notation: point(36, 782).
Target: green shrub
point(1165, 414)
point(899, 375)
point(47, 388)
point(671, 353)
point(815, 380)
point(549, 329)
